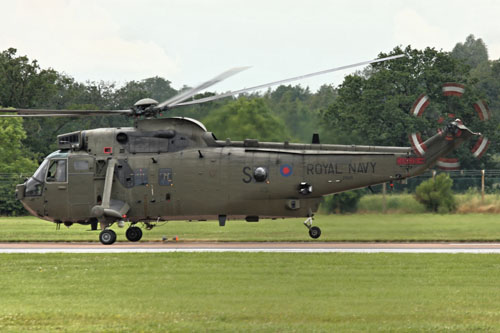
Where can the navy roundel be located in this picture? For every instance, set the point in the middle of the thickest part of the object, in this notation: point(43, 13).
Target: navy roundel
point(286, 170)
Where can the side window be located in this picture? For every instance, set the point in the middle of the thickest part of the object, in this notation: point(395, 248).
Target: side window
point(57, 171)
point(81, 165)
point(140, 177)
point(165, 176)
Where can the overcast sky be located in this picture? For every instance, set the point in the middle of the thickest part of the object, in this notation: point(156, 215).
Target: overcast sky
point(190, 41)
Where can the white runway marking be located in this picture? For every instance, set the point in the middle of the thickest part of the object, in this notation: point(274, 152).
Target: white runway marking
point(249, 250)
point(250, 247)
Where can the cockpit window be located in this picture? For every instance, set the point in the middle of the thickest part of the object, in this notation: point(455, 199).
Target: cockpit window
point(40, 172)
point(34, 185)
point(57, 171)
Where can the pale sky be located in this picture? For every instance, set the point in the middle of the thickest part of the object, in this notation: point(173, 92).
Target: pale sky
point(190, 41)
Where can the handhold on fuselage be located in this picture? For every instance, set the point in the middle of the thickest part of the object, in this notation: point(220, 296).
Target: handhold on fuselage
point(222, 220)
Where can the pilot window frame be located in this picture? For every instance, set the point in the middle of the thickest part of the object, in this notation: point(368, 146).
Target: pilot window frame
point(53, 180)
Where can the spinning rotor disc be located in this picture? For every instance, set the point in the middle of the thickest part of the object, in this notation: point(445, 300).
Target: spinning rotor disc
point(418, 109)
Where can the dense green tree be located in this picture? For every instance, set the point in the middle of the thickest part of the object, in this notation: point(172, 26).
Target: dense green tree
point(22, 83)
point(13, 156)
point(323, 98)
point(436, 194)
point(94, 96)
point(246, 119)
point(289, 92)
point(299, 108)
point(15, 161)
point(486, 77)
point(374, 107)
point(473, 51)
point(290, 104)
point(370, 107)
point(199, 111)
point(485, 74)
point(155, 87)
point(42, 132)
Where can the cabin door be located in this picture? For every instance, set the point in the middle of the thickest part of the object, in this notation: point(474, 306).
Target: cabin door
point(81, 192)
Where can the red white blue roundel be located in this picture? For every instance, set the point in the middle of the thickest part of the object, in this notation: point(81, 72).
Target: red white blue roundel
point(286, 170)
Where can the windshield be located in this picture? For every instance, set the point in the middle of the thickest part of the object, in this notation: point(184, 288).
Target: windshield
point(40, 172)
point(34, 185)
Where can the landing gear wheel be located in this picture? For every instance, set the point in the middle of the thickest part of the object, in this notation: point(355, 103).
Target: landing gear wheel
point(134, 234)
point(107, 237)
point(315, 232)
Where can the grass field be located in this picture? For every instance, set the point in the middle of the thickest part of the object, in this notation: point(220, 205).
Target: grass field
point(356, 227)
point(395, 203)
point(470, 202)
point(249, 292)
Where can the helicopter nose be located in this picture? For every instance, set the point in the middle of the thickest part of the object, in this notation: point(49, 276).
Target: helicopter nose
point(34, 205)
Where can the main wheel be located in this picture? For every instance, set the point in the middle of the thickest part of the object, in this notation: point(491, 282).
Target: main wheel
point(315, 232)
point(134, 234)
point(107, 237)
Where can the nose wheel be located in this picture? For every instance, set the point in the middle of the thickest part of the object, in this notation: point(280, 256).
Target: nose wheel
point(107, 237)
point(314, 232)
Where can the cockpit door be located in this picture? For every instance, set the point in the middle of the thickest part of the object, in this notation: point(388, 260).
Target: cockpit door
point(55, 194)
point(81, 193)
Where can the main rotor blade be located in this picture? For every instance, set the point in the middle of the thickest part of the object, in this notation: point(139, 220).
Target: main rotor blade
point(40, 115)
point(266, 85)
point(193, 91)
point(60, 113)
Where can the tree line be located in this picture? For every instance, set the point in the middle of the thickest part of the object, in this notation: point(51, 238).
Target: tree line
point(371, 106)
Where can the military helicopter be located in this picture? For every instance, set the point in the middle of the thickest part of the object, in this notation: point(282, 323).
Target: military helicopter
point(166, 169)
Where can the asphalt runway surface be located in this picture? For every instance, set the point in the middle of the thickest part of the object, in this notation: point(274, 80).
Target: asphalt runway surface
point(284, 247)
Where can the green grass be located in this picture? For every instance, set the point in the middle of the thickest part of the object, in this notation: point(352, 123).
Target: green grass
point(249, 292)
point(398, 203)
point(470, 202)
point(355, 227)
point(473, 202)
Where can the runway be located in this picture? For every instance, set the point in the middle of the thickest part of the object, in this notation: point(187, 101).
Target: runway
point(276, 247)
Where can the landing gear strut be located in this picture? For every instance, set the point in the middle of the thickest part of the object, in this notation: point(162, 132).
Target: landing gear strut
point(107, 237)
point(134, 234)
point(314, 232)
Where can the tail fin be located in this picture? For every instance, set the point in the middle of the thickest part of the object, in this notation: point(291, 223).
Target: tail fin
point(441, 144)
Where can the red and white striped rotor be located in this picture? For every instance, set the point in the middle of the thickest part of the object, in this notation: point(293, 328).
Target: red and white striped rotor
point(453, 89)
point(417, 110)
point(448, 163)
point(482, 110)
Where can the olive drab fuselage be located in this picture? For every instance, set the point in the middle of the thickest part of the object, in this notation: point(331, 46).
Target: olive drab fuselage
point(173, 169)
